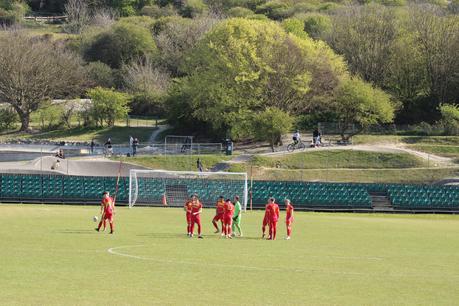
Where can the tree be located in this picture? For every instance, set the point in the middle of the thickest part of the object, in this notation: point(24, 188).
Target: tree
point(175, 36)
point(240, 68)
point(108, 105)
point(120, 45)
point(365, 36)
point(34, 71)
point(360, 103)
point(271, 124)
point(437, 36)
point(144, 77)
point(77, 16)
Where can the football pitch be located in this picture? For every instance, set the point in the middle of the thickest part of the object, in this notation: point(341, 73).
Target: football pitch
point(51, 255)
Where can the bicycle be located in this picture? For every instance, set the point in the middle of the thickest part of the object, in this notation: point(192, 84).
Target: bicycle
point(296, 146)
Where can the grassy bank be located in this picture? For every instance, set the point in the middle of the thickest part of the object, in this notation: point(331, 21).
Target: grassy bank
point(118, 134)
point(339, 159)
point(177, 162)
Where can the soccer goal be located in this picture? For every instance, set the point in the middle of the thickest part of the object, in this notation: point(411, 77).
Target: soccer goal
point(154, 187)
point(178, 144)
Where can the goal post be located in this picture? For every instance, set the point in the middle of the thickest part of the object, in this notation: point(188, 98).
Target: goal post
point(149, 187)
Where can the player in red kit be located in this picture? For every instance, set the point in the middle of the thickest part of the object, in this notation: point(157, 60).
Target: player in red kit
point(187, 207)
point(219, 214)
point(273, 214)
point(289, 219)
point(265, 219)
point(196, 210)
point(108, 206)
point(228, 218)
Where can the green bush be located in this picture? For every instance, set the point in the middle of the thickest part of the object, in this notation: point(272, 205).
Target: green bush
point(120, 45)
point(6, 18)
point(148, 105)
point(108, 105)
point(239, 12)
point(49, 116)
point(450, 118)
point(317, 25)
point(8, 119)
point(157, 12)
point(271, 124)
point(100, 74)
point(193, 8)
point(294, 26)
point(275, 10)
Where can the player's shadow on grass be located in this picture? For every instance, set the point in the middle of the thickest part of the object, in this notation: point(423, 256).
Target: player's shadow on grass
point(184, 236)
point(163, 235)
point(76, 231)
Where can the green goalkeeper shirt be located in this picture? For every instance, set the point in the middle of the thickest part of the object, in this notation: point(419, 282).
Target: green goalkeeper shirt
point(237, 209)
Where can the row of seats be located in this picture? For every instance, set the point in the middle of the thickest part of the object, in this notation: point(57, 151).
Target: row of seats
point(424, 197)
point(38, 187)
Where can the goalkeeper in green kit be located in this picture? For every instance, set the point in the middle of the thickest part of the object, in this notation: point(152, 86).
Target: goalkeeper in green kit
point(237, 216)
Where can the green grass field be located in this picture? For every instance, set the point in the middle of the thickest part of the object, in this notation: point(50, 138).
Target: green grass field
point(52, 256)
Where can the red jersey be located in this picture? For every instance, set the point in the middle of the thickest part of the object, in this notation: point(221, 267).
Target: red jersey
point(266, 212)
point(289, 210)
point(188, 206)
point(229, 209)
point(196, 207)
point(273, 211)
point(220, 207)
point(108, 205)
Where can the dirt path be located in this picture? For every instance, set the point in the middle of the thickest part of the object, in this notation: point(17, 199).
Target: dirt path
point(157, 131)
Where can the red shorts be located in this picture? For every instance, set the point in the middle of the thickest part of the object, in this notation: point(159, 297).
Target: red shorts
point(228, 219)
point(265, 221)
point(273, 221)
point(196, 218)
point(289, 221)
point(218, 217)
point(188, 217)
point(108, 217)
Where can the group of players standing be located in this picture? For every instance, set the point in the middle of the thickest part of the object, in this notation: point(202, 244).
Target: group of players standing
point(229, 215)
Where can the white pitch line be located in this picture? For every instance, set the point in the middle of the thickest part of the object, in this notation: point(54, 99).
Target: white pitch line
point(244, 267)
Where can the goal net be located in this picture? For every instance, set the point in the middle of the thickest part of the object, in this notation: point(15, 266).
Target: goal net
point(178, 144)
point(152, 187)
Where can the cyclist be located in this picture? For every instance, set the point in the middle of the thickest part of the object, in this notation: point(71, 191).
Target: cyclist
point(296, 137)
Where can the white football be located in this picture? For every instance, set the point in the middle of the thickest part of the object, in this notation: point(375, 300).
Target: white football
point(95, 219)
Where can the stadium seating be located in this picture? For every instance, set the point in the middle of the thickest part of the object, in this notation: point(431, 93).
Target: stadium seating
point(21, 187)
point(313, 195)
point(32, 187)
point(11, 186)
point(52, 186)
point(424, 197)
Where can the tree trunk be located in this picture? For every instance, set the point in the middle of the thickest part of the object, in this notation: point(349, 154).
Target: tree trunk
point(25, 120)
